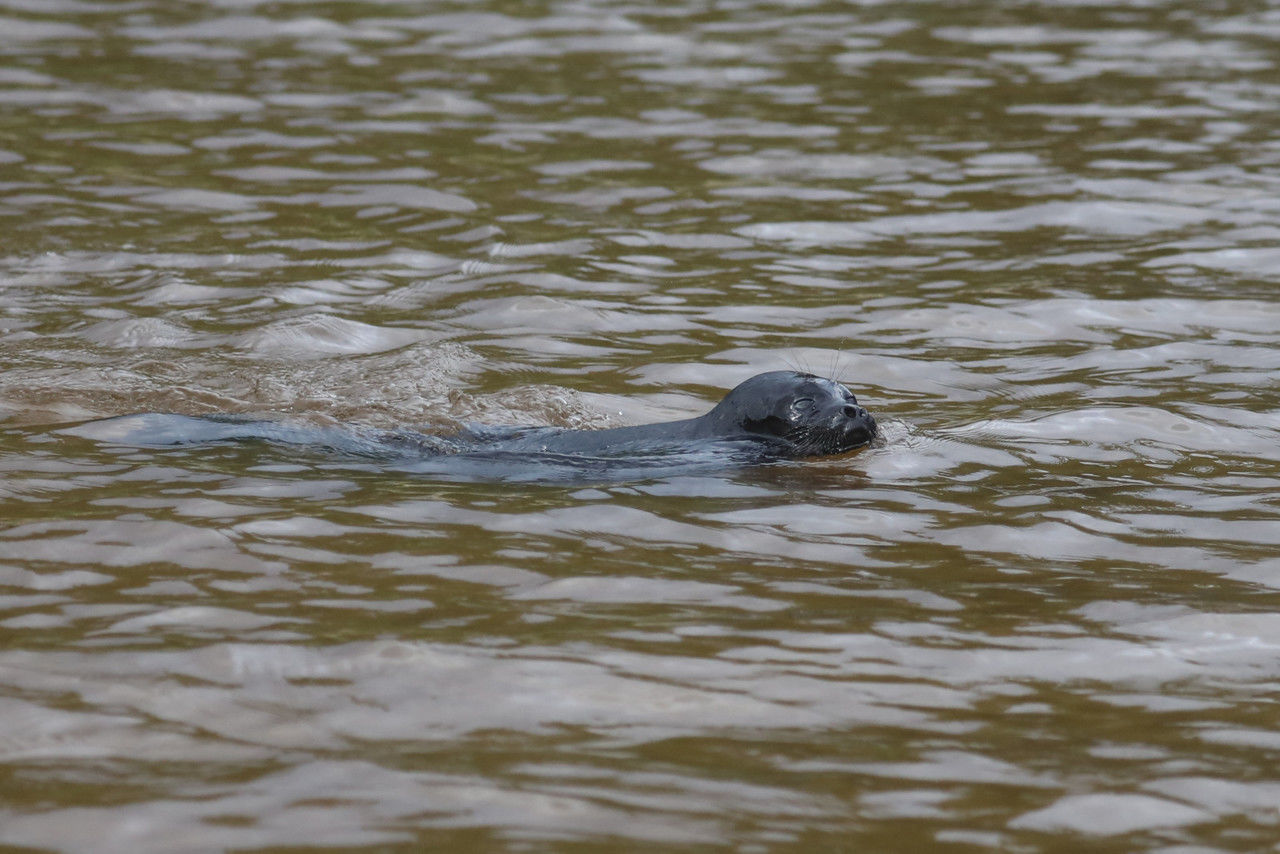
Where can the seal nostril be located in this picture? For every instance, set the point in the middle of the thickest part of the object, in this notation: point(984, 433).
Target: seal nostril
point(853, 412)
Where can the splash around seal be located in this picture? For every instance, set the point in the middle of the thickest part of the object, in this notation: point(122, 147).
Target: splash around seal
point(770, 417)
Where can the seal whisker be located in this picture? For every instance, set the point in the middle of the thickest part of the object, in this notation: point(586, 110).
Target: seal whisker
point(797, 362)
point(838, 367)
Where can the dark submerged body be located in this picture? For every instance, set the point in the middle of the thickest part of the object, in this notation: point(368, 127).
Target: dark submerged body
point(774, 416)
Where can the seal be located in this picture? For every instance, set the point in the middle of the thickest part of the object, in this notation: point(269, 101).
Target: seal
point(783, 414)
point(775, 416)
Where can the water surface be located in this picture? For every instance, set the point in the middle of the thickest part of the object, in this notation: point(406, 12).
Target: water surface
point(1038, 240)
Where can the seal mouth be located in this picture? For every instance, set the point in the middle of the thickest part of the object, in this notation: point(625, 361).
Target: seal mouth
point(859, 431)
point(852, 427)
point(855, 425)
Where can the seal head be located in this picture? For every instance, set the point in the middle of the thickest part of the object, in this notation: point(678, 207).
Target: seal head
point(808, 415)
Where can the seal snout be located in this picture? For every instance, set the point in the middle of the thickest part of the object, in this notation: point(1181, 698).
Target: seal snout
point(863, 427)
point(860, 428)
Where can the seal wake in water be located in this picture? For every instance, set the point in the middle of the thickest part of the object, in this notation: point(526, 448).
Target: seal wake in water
point(774, 416)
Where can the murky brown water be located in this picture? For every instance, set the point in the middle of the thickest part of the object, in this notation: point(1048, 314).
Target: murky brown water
point(1041, 241)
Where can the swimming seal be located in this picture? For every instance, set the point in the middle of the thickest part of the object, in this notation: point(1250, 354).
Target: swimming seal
point(774, 416)
point(785, 414)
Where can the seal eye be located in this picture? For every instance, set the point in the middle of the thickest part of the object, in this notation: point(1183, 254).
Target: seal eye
point(801, 405)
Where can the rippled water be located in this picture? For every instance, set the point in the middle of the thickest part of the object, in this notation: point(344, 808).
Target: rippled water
point(1040, 241)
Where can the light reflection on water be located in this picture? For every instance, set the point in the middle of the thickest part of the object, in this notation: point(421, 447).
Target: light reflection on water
point(1037, 241)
